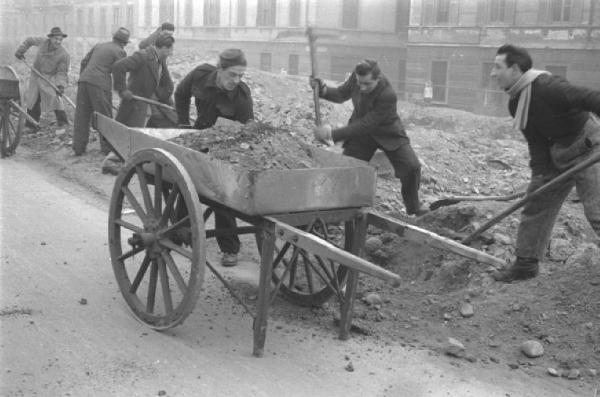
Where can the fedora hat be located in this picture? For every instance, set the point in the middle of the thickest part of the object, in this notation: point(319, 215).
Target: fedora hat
point(55, 31)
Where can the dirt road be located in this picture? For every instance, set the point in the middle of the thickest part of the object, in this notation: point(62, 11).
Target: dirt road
point(65, 330)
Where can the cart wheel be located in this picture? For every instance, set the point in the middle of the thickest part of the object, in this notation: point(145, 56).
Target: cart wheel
point(158, 255)
point(304, 278)
point(12, 123)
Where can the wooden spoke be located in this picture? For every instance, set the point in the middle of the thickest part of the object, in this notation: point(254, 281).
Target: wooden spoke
point(152, 287)
point(174, 247)
point(307, 272)
point(140, 275)
point(174, 271)
point(293, 266)
point(158, 183)
point(169, 204)
point(129, 226)
point(176, 225)
point(164, 281)
point(280, 254)
point(144, 188)
point(134, 203)
point(131, 253)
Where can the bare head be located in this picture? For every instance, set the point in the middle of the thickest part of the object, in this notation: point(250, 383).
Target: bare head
point(231, 68)
point(367, 75)
point(510, 64)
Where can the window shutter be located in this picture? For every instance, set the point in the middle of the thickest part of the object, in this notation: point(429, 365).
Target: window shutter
point(576, 11)
point(453, 14)
point(544, 12)
point(428, 9)
point(481, 12)
point(509, 12)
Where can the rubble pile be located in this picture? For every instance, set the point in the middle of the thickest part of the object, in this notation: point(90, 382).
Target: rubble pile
point(253, 146)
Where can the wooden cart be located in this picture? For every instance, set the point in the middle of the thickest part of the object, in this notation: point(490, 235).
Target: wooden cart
point(165, 193)
point(12, 115)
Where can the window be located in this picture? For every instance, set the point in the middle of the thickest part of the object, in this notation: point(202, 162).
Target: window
point(439, 74)
point(266, 11)
point(91, 22)
point(189, 10)
point(212, 12)
point(350, 14)
point(129, 20)
point(557, 70)
point(561, 10)
point(442, 11)
point(295, 11)
point(148, 13)
point(80, 21)
point(293, 62)
point(103, 21)
point(165, 11)
point(265, 61)
point(241, 13)
point(401, 78)
point(497, 10)
point(116, 17)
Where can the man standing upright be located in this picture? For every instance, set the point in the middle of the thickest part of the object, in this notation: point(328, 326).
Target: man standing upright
point(218, 92)
point(51, 61)
point(553, 116)
point(166, 28)
point(94, 89)
point(374, 124)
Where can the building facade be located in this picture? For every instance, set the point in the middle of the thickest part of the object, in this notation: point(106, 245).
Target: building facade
point(452, 43)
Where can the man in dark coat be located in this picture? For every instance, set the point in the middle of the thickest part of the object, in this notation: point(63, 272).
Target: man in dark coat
point(166, 28)
point(553, 115)
point(374, 124)
point(149, 78)
point(51, 61)
point(218, 92)
point(94, 89)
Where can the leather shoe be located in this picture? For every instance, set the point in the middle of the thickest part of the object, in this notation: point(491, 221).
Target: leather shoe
point(522, 269)
point(229, 260)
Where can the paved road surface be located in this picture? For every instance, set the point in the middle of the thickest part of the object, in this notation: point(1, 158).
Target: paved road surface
point(54, 253)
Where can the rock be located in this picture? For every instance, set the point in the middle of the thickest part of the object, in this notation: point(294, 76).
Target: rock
point(513, 365)
point(502, 239)
point(532, 348)
point(560, 249)
point(553, 372)
point(162, 393)
point(372, 299)
point(349, 367)
point(573, 374)
point(372, 244)
point(83, 301)
point(447, 316)
point(466, 310)
point(454, 348)
point(592, 372)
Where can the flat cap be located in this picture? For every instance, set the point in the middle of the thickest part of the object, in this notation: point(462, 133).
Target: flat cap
point(167, 26)
point(232, 57)
point(121, 35)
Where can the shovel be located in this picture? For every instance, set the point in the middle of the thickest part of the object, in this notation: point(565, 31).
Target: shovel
point(457, 199)
point(55, 88)
point(593, 159)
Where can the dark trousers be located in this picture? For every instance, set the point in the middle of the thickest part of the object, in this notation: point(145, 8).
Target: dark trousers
point(36, 112)
point(90, 99)
point(228, 244)
point(406, 165)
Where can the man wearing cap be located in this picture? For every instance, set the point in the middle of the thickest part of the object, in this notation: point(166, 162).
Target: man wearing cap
point(52, 61)
point(149, 78)
point(165, 28)
point(218, 92)
point(94, 89)
point(374, 124)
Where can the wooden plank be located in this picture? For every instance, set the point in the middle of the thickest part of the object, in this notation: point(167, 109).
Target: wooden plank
point(264, 291)
point(326, 250)
point(425, 237)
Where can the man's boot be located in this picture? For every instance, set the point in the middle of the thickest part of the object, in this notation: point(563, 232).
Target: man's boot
point(522, 269)
point(61, 118)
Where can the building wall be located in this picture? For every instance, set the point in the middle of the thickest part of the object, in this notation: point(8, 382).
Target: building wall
point(467, 42)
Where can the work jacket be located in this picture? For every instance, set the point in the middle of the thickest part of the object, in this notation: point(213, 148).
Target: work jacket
point(144, 81)
point(96, 66)
point(52, 64)
point(212, 102)
point(374, 113)
point(557, 114)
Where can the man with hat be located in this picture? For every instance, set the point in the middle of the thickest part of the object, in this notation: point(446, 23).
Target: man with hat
point(149, 78)
point(166, 28)
point(94, 89)
point(218, 92)
point(52, 61)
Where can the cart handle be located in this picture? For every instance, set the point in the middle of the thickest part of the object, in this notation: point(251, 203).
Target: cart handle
point(24, 113)
point(329, 251)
